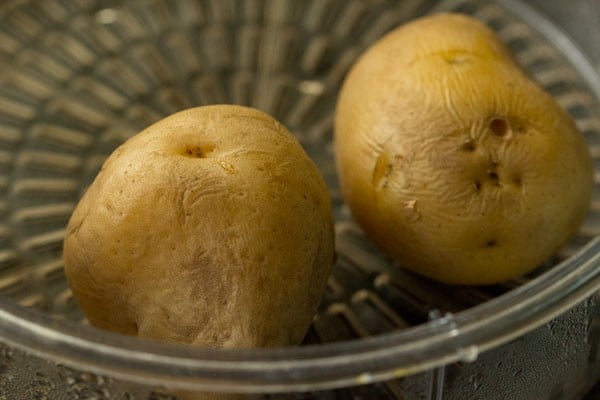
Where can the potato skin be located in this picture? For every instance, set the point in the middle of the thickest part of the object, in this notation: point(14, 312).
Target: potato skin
point(211, 227)
point(453, 161)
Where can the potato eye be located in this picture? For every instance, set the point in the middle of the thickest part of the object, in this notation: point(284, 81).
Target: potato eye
point(196, 151)
point(499, 127)
point(490, 243)
point(517, 180)
point(468, 146)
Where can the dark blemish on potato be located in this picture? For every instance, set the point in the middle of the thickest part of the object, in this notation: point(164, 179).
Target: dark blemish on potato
point(196, 151)
point(493, 176)
point(499, 127)
point(492, 173)
point(517, 180)
point(490, 243)
point(468, 146)
point(477, 185)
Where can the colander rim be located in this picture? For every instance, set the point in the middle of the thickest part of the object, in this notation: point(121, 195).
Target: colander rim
point(453, 337)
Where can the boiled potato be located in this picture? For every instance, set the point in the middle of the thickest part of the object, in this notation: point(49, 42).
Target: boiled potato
point(211, 228)
point(453, 160)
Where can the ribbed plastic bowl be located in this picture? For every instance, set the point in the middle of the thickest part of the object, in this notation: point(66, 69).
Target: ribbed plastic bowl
point(79, 77)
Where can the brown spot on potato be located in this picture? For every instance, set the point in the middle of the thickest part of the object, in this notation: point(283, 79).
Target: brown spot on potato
point(517, 180)
point(491, 243)
point(499, 127)
point(196, 151)
point(493, 176)
point(468, 146)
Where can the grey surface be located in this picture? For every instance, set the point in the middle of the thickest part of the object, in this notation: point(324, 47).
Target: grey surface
point(580, 19)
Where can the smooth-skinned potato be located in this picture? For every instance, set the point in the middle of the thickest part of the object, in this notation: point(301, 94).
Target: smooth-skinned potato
point(452, 159)
point(211, 227)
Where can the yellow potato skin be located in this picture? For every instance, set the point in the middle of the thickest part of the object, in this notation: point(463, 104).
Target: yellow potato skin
point(211, 227)
point(454, 161)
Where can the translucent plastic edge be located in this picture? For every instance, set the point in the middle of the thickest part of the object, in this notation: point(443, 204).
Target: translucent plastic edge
point(560, 39)
point(459, 337)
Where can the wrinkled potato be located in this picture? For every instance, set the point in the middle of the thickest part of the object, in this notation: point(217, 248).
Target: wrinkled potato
point(454, 161)
point(211, 228)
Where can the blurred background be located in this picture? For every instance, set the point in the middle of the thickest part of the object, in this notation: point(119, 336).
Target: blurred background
point(580, 19)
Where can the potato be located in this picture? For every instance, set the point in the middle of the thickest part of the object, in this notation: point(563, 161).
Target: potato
point(453, 160)
point(211, 228)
